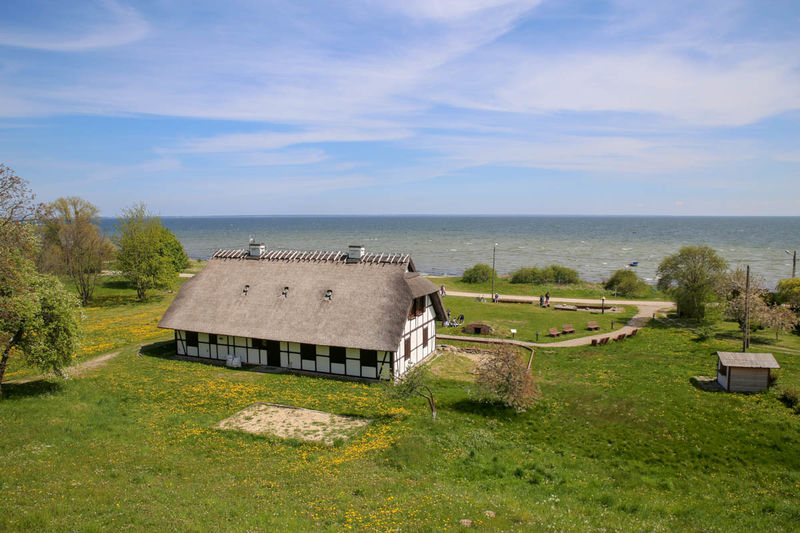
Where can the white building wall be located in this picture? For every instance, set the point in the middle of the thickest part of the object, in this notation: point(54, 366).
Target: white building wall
point(291, 356)
point(414, 333)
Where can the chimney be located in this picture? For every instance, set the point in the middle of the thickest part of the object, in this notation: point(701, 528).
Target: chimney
point(256, 249)
point(355, 253)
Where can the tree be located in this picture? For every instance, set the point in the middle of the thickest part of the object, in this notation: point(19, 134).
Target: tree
point(789, 292)
point(73, 245)
point(736, 296)
point(693, 276)
point(415, 382)
point(479, 273)
point(627, 283)
point(141, 242)
point(504, 377)
point(37, 315)
point(172, 248)
point(780, 318)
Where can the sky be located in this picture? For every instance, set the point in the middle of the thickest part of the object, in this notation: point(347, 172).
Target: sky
point(414, 107)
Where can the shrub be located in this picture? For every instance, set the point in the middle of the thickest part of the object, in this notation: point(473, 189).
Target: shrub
point(560, 274)
point(504, 377)
point(477, 274)
point(551, 274)
point(527, 275)
point(627, 283)
point(790, 397)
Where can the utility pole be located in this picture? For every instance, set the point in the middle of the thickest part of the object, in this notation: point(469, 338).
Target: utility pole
point(494, 251)
point(746, 338)
point(794, 261)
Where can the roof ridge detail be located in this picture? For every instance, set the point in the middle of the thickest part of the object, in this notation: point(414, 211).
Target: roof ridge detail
point(319, 256)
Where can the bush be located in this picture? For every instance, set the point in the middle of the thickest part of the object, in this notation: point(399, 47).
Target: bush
point(477, 274)
point(504, 377)
point(560, 274)
point(551, 274)
point(527, 275)
point(627, 283)
point(790, 397)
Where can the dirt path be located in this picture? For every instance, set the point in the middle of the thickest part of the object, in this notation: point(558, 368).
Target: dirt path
point(75, 370)
point(646, 310)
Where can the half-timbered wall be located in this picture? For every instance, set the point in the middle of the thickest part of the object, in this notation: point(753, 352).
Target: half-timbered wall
point(372, 364)
point(419, 338)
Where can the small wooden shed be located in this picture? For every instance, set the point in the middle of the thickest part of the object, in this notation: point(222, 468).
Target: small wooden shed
point(744, 372)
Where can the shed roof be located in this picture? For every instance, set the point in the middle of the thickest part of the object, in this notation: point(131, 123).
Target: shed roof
point(368, 306)
point(749, 360)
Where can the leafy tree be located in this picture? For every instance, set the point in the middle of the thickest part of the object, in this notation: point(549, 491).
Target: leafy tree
point(737, 301)
point(503, 376)
point(172, 248)
point(789, 292)
point(37, 315)
point(693, 276)
point(415, 382)
point(627, 283)
point(73, 244)
point(781, 318)
point(478, 274)
point(141, 241)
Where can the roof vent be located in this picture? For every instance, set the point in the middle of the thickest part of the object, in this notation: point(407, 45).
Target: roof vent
point(285, 292)
point(355, 253)
point(256, 248)
point(329, 294)
point(246, 288)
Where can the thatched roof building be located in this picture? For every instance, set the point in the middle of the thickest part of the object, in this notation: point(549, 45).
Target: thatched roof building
point(351, 300)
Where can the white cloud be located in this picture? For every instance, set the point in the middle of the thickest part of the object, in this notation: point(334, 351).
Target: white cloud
point(124, 26)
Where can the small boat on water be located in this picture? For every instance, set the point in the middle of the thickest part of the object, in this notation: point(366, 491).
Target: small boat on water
point(633, 264)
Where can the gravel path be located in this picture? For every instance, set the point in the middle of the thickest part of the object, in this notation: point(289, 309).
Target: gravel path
point(75, 370)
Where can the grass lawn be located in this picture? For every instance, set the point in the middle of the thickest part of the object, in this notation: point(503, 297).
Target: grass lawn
point(502, 285)
point(527, 319)
point(620, 440)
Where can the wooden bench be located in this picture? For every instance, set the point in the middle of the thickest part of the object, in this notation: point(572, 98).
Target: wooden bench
point(554, 332)
point(620, 337)
point(592, 326)
point(601, 341)
point(634, 332)
point(567, 329)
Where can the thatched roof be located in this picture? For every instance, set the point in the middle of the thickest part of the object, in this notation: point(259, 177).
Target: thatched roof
point(749, 360)
point(367, 309)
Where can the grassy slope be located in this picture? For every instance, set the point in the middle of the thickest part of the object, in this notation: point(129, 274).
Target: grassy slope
point(527, 319)
point(504, 286)
point(620, 440)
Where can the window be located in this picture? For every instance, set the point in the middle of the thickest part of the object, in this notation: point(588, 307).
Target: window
point(212, 338)
point(420, 305)
point(338, 355)
point(308, 352)
point(191, 338)
point(407, 347)
point(259, 344)
point(723, 370)
point(425, 336)
point(369, 358)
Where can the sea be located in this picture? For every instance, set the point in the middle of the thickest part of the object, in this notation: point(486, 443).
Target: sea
point(595, 246)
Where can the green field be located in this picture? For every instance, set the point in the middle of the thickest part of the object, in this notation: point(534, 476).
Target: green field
point(502, 285)
point(620, 440)
point(527, 319)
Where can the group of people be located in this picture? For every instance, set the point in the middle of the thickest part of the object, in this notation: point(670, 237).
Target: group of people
point(450, 322)
point(544, 301)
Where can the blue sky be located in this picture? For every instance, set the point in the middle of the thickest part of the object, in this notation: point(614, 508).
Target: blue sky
point(420, 106)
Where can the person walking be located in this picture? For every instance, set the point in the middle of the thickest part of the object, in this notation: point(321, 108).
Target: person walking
point(541, 301)
point(547, 299)
point(443, 291)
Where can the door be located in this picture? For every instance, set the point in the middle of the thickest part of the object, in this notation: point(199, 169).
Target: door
point(273, 353)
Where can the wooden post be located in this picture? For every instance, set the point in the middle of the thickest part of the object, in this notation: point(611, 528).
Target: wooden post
point(746, 337)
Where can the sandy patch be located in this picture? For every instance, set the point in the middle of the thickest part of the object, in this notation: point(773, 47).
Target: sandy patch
point(294, 423)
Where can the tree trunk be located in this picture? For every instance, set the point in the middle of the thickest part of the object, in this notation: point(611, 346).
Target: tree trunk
point(431, 401)
point(6, 353)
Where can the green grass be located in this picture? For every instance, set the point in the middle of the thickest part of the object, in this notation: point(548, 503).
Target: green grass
point(527, 319)
point(502, 285)
point(620, 440)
